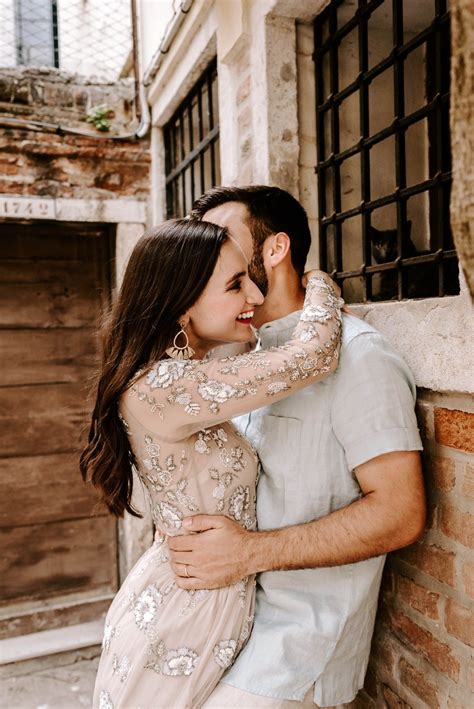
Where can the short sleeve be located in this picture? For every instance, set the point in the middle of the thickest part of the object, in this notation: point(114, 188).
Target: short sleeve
point(373, 407)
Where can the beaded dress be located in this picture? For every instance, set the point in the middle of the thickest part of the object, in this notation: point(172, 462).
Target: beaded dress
point(165, 647)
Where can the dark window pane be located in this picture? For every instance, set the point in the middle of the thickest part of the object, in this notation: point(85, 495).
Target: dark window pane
point(192, 145)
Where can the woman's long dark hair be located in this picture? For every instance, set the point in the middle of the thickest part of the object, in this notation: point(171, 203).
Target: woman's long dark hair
point(167, 272)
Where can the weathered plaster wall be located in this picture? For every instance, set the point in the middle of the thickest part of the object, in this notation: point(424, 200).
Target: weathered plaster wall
point(434, 336)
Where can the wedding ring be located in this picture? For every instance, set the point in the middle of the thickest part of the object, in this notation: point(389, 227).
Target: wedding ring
point(186, 571)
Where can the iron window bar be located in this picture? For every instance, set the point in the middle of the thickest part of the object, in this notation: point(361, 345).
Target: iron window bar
point(188, 149)
point(330, 159)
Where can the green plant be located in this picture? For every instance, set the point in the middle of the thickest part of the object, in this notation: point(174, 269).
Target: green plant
point(100, 117)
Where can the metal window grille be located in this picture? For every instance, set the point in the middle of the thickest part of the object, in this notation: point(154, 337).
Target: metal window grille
point(383, 148)
point(192, 146)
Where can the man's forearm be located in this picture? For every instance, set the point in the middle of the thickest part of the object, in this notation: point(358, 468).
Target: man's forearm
point(356, 532)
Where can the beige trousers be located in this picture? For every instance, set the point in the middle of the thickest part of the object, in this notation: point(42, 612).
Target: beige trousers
point(226, 697)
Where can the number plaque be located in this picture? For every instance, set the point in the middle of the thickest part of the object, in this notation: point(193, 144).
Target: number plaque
point(27, 208)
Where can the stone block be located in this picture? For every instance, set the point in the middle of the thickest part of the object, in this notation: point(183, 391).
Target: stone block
point(392, 700)
point(438, 653)
point(418, 683)
point(418, 597)
point(6, 90)
point(458, 525)
point(441, 470)
point(467, 572)
point(468, 483)
point(21, 92)
point(454, 429)
point(459, 622)
point(431, 559)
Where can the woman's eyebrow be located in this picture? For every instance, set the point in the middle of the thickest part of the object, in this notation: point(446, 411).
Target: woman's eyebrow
point(235, 276)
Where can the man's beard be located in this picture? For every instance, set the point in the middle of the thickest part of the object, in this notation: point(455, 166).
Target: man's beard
point(257, 271)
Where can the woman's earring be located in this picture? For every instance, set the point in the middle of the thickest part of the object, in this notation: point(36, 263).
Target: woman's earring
point(180, 352)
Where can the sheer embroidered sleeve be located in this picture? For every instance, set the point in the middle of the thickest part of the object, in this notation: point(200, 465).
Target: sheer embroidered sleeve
point(176, 398)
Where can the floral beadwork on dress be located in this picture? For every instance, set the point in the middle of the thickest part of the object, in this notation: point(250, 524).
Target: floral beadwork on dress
point(121, 667)
point(145, 606)
point(158, 475)
point(178, 662)
point(206, 436)
point(224, 481)
point(241, 588)
point(105, 701)
point(193, 598)
point(150, 400)
point(109, 633)
point(174, 663)
point(156, 555)
point(224, 653)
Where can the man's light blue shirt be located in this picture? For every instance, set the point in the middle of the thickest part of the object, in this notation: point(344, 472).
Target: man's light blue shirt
point(314, 626)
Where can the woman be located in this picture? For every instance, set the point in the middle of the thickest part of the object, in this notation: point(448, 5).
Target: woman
point(163, 410)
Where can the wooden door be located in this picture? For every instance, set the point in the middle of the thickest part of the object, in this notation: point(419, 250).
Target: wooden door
point(58, 561)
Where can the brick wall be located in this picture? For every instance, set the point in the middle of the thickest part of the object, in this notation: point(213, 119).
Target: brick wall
point(48, 164)
point(424, 637)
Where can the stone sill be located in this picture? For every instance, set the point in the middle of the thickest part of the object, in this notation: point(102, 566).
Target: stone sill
point(50, 642)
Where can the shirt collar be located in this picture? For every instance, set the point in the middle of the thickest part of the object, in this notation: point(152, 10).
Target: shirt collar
point(278, 331)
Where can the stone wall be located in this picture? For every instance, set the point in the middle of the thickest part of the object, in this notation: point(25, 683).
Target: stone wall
point(48, 164)
point(422, 647)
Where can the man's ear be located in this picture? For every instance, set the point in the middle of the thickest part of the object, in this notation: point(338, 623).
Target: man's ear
point(278, 248)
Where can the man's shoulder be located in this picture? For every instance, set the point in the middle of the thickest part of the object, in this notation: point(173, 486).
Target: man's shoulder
point(364, 349)
point(359, 340)
point(353, 328)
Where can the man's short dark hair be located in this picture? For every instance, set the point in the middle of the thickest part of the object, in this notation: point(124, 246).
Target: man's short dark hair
point(270, 210)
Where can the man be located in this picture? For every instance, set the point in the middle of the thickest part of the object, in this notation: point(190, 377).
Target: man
point(341, 486)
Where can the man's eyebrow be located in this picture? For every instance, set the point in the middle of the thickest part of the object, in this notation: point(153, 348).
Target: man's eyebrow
point(235, 276)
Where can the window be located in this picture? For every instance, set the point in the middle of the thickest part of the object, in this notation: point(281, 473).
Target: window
point(36, 32)
point(383, 148)
point(192, 146)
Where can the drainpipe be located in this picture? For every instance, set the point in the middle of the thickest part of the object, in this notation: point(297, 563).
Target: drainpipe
point(168, 37)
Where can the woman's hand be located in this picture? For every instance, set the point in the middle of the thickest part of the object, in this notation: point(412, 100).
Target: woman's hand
point(323, 275)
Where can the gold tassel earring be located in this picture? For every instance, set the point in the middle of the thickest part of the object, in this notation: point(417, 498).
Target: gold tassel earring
point(180, 351)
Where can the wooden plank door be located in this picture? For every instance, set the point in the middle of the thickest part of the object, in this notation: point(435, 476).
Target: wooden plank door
point(58, 561)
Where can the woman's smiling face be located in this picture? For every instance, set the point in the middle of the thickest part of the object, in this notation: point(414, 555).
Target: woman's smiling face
point(223, 313)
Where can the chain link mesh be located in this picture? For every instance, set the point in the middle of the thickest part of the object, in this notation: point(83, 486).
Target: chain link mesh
point(90, 38)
